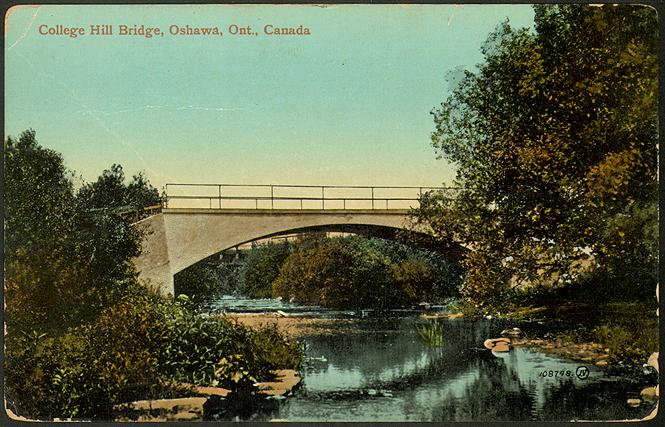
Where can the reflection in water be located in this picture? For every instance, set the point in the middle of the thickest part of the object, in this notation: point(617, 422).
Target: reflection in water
point(386, 369)
point(386, 372)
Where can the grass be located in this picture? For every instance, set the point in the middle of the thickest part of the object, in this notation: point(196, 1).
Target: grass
point(628, 329)
point(431, 334)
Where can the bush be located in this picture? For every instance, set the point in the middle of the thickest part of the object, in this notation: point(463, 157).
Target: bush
point(260, 269)
point(355, 272)
point(82, 334)
point(140, 348)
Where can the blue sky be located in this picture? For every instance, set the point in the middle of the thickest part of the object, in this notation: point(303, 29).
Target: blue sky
point(347, 105)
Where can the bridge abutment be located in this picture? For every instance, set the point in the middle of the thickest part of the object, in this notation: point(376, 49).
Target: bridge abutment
point(153, 264)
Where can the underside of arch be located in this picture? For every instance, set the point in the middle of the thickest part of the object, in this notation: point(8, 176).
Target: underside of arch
point(175, 240)
point(452, 251)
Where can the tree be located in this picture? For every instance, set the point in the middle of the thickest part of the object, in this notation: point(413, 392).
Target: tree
point(554, 139)
point(40, 217)
point(356, 272)
point(200, 282)
point(261, 267)
point(38, 195)
point(82, 334)
point(111, 192)
point(66, 254)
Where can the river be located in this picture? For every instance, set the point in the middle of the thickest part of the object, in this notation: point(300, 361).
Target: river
point(381, 368)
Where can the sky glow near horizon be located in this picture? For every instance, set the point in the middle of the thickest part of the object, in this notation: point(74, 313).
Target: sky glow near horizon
point(348, 105)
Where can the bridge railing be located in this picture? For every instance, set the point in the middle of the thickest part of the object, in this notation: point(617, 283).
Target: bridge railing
point(303, 197)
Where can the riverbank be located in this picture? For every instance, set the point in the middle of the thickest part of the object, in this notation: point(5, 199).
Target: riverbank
point(293, 326)
point(620, 333)
point(570, 331)
point(377, 360)
point(193, 408)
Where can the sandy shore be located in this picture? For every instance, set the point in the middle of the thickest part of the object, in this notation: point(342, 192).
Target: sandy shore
point(295, 326)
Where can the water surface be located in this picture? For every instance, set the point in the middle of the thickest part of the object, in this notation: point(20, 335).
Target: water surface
point(381, 369)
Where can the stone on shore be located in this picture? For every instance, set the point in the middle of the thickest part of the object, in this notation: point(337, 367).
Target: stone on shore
point(191, 408)
point(512, 332)
point(210, 391)
point(493, 343)
point(634, 402)
point(653, 361)
point(186, 408)
point(286, 380)
point(650, 394)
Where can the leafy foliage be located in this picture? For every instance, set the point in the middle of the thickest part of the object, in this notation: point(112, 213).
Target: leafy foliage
point(260, 269)
point(199, 282)
point(554, 139)
point(139, 348)
point(82, 333)
point(350, 271)
point(111, 192)
point(62, 262)
point(362, 273)
point(211, 278)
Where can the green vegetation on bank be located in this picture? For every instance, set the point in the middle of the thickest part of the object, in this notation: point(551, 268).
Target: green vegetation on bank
point(355, 272)
point(82, 334)
point(555, 142)
point(340, 272)
point(629, 330)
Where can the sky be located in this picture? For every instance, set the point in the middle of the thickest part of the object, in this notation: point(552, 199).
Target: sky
point(348, 104)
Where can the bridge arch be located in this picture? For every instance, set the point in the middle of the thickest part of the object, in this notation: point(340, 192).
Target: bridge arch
point(179, 238)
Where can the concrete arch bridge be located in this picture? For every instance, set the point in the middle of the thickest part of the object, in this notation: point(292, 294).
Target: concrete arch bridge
point(200, 220)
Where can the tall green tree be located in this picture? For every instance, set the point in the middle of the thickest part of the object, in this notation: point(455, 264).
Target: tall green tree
point(82, 334)
point(111, 192)
point(66, 254)
point(39, 225)
point(261, 268)
point(554, 139)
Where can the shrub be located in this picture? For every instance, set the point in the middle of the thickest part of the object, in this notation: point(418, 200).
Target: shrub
point(260, 269)
point(139, 348)
point(355, 272)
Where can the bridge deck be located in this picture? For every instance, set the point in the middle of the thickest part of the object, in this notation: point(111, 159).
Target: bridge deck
point(228, 211)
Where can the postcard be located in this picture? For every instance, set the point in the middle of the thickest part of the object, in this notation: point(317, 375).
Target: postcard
point(323, 213)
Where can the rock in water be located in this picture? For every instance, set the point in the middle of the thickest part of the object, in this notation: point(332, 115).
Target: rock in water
point(634, 402)
point(649, 394)
point(501, 347)
point(493, 343)
point(653, 361)
point(513, 332)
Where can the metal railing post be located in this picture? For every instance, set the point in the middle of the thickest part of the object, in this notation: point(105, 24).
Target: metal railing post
point(323, 198)
point(166, 196)
point(372, 197)
point(219, 188)
point(272, 197)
